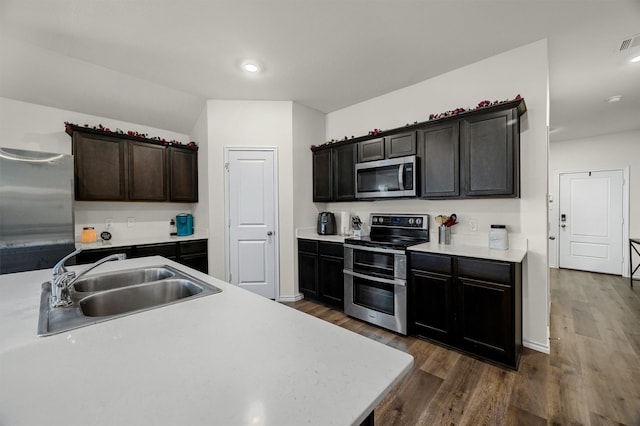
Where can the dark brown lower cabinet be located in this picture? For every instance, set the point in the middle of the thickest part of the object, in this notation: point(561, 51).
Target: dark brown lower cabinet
point(168, 250)
point(193, 254)
point(474, 305)
point(308, 268)
point(486, 318)
point(330, 275)
point(320, 276)
point(432, 318)
point(91, 256)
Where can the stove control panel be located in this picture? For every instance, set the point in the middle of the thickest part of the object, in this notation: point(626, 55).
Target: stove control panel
point(400, 221)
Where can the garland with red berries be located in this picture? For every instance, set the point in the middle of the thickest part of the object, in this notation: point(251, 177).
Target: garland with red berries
point(451, 113)
point(69, 128)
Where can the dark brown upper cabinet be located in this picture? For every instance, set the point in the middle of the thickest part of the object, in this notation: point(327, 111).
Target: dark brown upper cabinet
point(490, 155)
point(322, 176)
point(391, 146)
point(147, 171)
point(100, 168)
point(400, 145)
point(115, 167)
point(473, 154)
point(438, 149)
point(334, 173)
point(183, 175)
point(371, 150)
point(344, 172)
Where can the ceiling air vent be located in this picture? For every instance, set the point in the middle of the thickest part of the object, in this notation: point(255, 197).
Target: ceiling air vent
point(629, 43)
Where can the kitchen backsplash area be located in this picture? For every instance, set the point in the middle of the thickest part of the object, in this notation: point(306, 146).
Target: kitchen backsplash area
point(474, 216)
point(132, 221)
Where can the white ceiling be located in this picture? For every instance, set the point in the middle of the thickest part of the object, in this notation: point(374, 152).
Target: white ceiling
point(155, 62)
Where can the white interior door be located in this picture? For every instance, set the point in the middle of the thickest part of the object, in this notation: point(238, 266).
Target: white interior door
point(591, 221)
point(251, 213)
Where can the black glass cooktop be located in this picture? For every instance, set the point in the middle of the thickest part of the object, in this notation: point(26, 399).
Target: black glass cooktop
point(394, 231)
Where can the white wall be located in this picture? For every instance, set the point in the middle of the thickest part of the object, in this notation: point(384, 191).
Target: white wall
point(40, 128)
point(521, 71)
point(251, 124)
point(308, 129)
point(200, 132)
point(613, 151)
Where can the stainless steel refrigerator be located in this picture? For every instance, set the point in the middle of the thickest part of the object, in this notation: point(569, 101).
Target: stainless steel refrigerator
point(36, 209)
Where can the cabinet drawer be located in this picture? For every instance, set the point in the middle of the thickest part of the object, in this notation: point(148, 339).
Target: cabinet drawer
point(485, 270)
point(165, 250)
point(431, 262)
point(91, 256)
point(309, 246)
point(331, 249)
point(193, 247)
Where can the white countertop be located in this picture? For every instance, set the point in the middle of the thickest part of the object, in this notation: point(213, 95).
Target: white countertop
point(516, 255)
point(141, 240)
point(461, 245)
point(312, 234)
point(232, 358)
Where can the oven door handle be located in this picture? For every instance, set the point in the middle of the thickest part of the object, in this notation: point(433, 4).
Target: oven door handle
point(396, 281)
point(374, 249)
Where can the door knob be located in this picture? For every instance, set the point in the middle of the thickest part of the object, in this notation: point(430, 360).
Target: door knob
point(563, 226)
point(552, 238)
point(269, 233)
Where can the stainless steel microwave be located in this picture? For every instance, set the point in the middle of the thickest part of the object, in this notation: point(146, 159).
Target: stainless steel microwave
point(395, 177)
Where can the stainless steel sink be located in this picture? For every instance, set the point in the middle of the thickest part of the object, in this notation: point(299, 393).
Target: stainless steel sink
point(136, 298)
point(121, 279)
point(108, 296)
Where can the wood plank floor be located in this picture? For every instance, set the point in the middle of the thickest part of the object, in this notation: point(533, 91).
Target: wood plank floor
point(591, 377)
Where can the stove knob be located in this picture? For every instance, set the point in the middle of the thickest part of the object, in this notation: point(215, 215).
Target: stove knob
point(418, 221)
point(410, 221)
point(374, 219)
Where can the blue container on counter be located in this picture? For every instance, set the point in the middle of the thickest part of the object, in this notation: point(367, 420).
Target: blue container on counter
point(184, 224)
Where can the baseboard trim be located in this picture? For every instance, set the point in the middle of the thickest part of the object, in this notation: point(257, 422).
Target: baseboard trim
point(537, 346)
point(293, 298)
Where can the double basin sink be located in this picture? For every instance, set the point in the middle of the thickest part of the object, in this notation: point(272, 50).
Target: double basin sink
point(103, 297)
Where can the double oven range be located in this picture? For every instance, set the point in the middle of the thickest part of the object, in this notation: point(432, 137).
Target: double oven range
point(375, 269)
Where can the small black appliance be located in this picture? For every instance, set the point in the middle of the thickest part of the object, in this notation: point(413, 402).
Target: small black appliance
point(326, 223)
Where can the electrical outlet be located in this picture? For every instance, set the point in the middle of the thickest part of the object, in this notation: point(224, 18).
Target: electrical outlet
point(130, 222)
point(108, 223)
point(473, 224)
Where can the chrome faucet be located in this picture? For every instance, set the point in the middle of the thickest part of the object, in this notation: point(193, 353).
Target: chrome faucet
point(62, 279)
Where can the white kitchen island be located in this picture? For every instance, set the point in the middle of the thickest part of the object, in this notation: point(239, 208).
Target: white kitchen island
point(231, 358)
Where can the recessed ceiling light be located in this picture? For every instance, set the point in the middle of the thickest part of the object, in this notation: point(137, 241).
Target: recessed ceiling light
point(614, 99)
point(636, 59)
point(250, 66)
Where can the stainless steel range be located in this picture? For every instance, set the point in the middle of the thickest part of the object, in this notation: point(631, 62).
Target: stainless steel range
point(375, 269)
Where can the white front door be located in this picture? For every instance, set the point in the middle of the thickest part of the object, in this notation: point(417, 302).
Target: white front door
point(591, 221)
point(252, 218)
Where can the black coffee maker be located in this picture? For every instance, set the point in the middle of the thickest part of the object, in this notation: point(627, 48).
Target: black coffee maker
point(326, 223)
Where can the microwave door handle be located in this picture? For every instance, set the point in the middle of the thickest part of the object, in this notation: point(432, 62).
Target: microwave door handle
point(401, 176)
